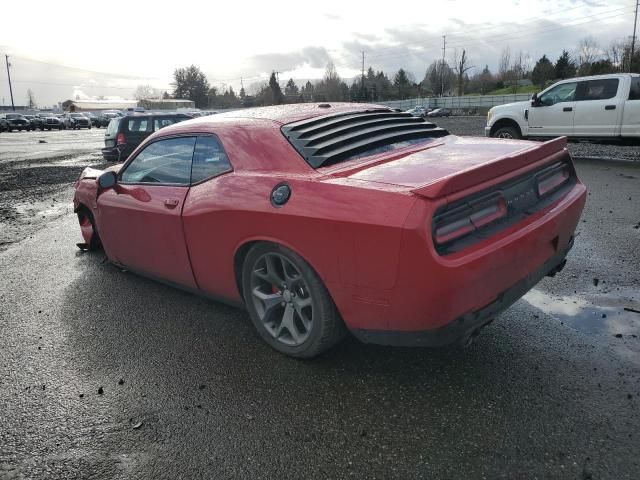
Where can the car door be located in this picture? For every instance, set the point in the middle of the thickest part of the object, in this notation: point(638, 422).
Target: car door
point(631, 116)
point(141, 218)
point(553, 113)
point(598, 111)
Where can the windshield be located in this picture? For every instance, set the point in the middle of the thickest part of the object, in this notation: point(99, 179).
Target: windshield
point(46, 114)
point(77, 115)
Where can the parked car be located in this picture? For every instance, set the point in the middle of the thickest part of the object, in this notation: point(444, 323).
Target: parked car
point(16, 121)
point(47, 121)
point(124, 134)
point(601, 106)
point(418, 111)
point(33, 122)
point(439, 112)
point(97, 119)
point(76, 121)
point(289, 216)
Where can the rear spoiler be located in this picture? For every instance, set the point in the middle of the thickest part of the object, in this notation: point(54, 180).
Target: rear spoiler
point(476, 175)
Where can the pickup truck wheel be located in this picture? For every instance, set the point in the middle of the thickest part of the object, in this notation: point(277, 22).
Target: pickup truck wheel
point(288, 303)
point(507, 132)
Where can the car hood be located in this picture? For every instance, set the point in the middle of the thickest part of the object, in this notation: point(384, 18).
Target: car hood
point(93, 173)
point(519, 106)
point(453, 163)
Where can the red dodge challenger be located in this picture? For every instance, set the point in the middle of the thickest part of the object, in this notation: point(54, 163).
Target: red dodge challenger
point(327, 218)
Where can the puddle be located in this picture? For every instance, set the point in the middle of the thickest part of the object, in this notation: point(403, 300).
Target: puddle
point(598, 315)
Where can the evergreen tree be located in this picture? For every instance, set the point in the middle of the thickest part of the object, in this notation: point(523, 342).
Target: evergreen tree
point(276, 93)
point(291, 88)
point(565, 67)
point(542, 72)
point(191, 83)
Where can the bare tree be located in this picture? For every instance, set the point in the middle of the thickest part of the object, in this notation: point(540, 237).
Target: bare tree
point(615, 54)
point(31, 99)
point(505, 63)
point(461, 67)
point(145, 92)
point(587, 52)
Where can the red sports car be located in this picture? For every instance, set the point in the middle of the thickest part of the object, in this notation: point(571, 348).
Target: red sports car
point(327, 218)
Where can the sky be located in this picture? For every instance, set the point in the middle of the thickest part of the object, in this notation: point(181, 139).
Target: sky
point(61, 50)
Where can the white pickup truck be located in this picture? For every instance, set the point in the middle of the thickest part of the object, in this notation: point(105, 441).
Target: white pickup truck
point(602, 106)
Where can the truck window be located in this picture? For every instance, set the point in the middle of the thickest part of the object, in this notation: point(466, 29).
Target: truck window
point(565, 92)
point(601, 89)
point(634, 91)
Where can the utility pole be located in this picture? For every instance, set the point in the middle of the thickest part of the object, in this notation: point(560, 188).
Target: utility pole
point(6, 59)
point(444, 49)
point(633, 39)
point(362, 91)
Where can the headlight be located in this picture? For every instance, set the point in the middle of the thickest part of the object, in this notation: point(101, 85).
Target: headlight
point(489, 115)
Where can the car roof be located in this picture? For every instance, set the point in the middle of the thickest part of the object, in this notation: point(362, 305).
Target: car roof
point(289, 113)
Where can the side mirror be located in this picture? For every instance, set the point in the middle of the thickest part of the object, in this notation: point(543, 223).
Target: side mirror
point(534, 100)
point(107, 180)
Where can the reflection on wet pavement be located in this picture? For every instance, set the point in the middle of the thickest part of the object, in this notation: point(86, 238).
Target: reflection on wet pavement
point(599, 315)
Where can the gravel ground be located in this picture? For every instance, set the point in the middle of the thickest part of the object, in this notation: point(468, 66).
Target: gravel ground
point(37, 170)
point(475, 126)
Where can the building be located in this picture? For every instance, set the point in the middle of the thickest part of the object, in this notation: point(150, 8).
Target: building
point(96, 105)
point(167, 104)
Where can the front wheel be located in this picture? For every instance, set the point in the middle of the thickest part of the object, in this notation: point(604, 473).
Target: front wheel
point(507, 133)
point(88, 229)
point(288, 303)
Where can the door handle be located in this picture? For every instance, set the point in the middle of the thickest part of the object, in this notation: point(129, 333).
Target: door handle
point(567, 109)
point(610, 107)
point(171, 202)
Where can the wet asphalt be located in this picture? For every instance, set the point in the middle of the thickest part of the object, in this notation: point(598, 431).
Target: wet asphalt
point(107, 375)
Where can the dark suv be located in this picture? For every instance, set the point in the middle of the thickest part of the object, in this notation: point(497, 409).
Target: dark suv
point(16, 121)
point(124, 134)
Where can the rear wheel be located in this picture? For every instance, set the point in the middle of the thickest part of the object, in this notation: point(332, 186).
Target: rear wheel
point(288, 303)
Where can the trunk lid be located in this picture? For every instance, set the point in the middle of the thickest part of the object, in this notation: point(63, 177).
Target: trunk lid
point(453, 164)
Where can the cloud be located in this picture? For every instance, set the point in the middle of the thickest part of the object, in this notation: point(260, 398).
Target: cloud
point(315, 57)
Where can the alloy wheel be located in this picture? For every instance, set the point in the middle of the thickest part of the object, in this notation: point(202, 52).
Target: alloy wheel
point(282, 299)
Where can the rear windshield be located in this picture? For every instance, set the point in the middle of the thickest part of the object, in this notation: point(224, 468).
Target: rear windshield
point(327, 140)
point(112, 128)
point(138, 124)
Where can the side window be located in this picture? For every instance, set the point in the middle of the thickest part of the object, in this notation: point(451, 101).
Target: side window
point(138, 125)
point(164, 161)
point(598, 89)
point(209, 159)
point(562, 93)
point(634, 92)
point(159, 123)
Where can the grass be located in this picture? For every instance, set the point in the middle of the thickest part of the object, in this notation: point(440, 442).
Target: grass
point(521, 89)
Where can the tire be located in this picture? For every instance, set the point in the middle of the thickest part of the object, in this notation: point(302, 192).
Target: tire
point(299, 319)
point(88, 229)
point(510, 133)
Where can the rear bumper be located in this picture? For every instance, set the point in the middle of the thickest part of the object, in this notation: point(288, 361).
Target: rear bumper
point(466, 326)
point(431, 292)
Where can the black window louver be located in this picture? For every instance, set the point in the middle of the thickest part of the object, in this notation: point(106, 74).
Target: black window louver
point(330, 139)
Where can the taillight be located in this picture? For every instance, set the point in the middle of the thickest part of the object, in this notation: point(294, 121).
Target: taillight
point(464, 220)
point(552, 179)
point(121, 139)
